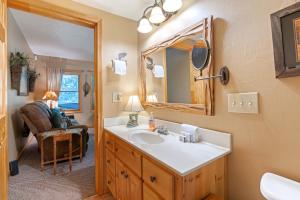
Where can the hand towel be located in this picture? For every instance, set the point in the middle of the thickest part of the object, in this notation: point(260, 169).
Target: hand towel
point(188, 128)
point(194, 130)
point(119, 67)
point(158, 71)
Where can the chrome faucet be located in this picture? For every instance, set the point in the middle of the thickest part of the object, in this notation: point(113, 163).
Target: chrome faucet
point(161, 129)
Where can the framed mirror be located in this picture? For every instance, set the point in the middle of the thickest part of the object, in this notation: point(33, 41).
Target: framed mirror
point(168, 71)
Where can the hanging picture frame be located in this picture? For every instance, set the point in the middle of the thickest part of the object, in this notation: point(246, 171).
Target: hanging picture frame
point(286, 41)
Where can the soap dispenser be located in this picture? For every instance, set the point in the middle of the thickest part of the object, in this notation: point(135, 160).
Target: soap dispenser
point(152, 126)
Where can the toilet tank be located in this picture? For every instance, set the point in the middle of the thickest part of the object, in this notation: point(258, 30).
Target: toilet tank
point(274, 187)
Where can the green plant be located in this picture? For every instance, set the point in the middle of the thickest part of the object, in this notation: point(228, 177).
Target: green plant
point(18, 60)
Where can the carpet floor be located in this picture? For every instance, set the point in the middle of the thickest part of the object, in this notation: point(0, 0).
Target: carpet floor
point(32, 184)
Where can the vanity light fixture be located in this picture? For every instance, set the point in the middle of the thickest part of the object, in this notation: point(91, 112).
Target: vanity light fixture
point(156, 14)
point(172, 5)
point(144, 25)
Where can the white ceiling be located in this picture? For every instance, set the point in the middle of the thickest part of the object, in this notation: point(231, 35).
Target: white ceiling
point(50, 37)
point(132, 9)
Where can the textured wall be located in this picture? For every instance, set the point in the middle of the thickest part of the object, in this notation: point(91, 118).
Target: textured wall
point(269, 141)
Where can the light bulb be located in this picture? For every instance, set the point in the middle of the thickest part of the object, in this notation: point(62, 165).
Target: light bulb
point(144, 26)
point(157, 16)
point(172, 5)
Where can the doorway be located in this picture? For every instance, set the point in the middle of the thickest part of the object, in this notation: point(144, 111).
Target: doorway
point(60, 13)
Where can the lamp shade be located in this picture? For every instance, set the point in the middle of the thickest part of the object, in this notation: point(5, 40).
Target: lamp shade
point(144, 26)
point(152, 98)
point(157, 16)
point(50, 95)
point(172, 5)
point(134, 104)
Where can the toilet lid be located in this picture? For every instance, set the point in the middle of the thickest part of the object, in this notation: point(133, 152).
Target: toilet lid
point(274, 187)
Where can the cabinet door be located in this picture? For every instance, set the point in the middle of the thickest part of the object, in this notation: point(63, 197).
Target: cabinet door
point(121, 182)
point(134, 186)
point(148, 194)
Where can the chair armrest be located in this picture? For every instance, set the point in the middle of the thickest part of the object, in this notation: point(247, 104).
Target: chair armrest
point(50, 133)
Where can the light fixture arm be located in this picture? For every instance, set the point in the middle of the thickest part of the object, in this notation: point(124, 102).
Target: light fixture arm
point(147, 9)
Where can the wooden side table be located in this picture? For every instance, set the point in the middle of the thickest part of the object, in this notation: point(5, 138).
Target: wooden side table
point(63, 136)
point(59, 136)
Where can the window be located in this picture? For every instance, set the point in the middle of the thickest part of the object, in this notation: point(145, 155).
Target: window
point(69, 97)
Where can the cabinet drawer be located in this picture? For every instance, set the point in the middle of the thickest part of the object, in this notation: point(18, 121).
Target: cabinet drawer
point(111, 183)
point(110, 162)
point(109, 141)
point(148, 194)
point(129, 156)
point(158, 179)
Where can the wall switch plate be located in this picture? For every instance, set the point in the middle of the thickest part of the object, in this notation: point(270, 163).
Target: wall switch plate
point(243, 102)
point(116, 97)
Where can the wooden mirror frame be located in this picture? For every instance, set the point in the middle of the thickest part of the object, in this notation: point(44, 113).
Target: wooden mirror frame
point(205, 27)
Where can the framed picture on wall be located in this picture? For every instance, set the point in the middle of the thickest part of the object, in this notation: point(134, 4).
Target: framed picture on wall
point(286, 41)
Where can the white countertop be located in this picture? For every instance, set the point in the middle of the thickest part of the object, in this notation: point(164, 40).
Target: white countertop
point(182, 158)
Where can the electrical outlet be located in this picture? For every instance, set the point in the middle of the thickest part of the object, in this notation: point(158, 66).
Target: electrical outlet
point(243, 102)
point(116, 97)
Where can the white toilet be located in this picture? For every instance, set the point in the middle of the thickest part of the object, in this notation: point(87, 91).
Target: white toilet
point(274, 187)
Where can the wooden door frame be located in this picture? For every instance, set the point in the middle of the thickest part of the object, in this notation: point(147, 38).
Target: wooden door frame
point(83, 19)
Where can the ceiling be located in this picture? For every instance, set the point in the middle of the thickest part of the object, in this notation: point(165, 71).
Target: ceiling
point(131, 9)
point(50, 37)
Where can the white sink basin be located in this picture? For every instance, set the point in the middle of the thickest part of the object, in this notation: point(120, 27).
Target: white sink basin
point(145, 137)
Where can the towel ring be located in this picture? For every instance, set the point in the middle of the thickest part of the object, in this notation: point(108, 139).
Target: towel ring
point(223, 75)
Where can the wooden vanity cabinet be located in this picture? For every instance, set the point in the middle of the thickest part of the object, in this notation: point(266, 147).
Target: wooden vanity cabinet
point(128, 185)
point(133, 175)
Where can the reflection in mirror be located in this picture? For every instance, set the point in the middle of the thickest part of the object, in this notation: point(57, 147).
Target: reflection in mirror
point(170, 71)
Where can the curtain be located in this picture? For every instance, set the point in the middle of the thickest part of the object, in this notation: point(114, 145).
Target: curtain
point(54, 74)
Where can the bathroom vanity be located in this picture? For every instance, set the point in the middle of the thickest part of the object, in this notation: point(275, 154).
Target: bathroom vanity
point(140, 164)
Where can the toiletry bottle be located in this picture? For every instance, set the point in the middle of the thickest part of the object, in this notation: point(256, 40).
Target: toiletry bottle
point(151, 122)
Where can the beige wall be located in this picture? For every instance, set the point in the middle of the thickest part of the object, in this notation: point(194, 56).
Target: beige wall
point(16, 42)
point(118, 35)
point(269, 141)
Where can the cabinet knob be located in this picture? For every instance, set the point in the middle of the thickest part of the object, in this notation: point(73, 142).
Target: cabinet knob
point(108, 182)
point(108, 161)
point(126, 175)
point(122, 172)
point(107, 142)
point(152, 179)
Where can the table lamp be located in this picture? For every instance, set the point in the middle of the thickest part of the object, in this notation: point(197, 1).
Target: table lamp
point(50, 96)
point(134, 105)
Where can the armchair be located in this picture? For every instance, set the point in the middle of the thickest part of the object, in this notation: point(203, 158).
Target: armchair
point(37, 117)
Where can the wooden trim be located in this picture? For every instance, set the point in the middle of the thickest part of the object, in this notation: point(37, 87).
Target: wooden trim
point(83, 19)
point(2, 33)
point(205, 27)
point(53, 11)
point(99, 136)
point(4, 172)
point(282, 71)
